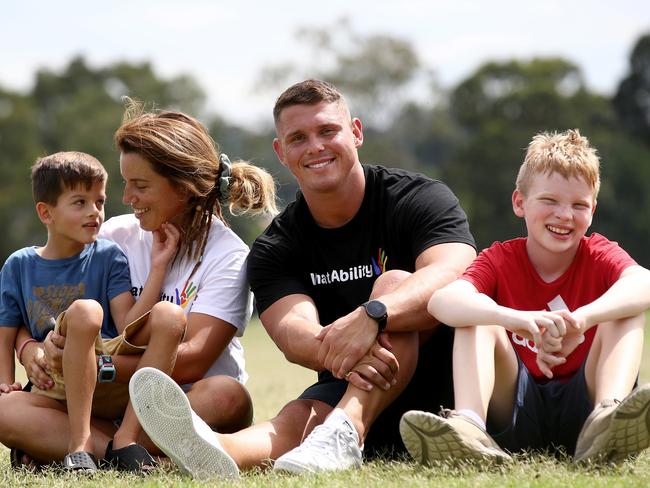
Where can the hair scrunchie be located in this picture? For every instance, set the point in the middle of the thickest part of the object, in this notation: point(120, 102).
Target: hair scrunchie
point(224, 178)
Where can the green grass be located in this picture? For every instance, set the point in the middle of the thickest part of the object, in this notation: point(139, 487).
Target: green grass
point(274, 381)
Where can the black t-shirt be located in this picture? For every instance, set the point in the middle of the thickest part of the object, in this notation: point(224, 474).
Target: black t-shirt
point(402, 215)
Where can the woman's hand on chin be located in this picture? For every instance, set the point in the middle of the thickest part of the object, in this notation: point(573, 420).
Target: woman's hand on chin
point(165, 244)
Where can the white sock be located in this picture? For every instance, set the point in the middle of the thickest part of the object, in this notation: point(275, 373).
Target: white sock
point(472, 415)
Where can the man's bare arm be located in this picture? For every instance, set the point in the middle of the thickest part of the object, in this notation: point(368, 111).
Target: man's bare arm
point(292, 323)
point(349, 338)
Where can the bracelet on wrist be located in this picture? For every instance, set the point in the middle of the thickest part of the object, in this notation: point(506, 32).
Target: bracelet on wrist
point(19, 353)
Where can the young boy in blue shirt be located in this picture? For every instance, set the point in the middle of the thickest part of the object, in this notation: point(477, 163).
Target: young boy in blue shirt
point(82, 284)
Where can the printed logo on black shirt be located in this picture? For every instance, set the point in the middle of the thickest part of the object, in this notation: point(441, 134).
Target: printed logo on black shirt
point(363, 271)
point(380, 264)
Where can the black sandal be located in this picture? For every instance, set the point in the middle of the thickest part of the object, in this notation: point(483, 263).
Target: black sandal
point(133, 458)
point(80, 462)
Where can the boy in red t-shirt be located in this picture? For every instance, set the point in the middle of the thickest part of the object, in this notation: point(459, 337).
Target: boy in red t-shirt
point(549, 329)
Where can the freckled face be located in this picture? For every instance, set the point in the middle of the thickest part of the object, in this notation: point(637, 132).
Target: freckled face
point(153, 199)
point(558, 211)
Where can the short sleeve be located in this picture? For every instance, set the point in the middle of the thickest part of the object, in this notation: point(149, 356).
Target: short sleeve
point(270, 272)
point(482, 273)
point(432, 215)
point(10, 309)
point(608, 257)
point(223, 290)
point(119, 278)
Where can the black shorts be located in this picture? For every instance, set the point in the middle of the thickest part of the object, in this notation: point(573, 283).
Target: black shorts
point(546, 416)
point(430, 388)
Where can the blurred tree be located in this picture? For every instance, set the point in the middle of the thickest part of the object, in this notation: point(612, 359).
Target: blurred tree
point(81, 107)
point(632, 100)
point(374, 71)
point(422, 137)
point(499, 108)
point(78, 108)
point(19, 148)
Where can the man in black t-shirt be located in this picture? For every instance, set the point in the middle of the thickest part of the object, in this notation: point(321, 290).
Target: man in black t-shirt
point(355, 233)
point(341, 279)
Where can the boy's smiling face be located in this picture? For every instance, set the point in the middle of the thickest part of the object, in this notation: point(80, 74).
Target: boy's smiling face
point(558, 211)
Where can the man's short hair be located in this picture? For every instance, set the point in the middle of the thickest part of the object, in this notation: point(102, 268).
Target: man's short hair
point(308, 92)
point(567, 153)
point(53, 174)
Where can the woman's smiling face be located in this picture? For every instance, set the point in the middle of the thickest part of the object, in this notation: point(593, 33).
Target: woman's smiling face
point(153, 198)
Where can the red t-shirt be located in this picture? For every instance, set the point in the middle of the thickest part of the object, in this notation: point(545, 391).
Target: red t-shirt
point(504, 273)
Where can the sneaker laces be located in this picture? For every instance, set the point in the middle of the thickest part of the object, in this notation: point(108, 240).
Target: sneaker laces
point(608, 403)
point(324, 437)
point(446, 413)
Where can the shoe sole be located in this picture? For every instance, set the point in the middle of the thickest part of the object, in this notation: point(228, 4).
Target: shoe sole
point(628, 432)
point(165, 415)
point(283, 466)
point(429, 438)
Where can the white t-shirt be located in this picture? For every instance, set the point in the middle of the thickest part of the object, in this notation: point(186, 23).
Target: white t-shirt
point(218, 287)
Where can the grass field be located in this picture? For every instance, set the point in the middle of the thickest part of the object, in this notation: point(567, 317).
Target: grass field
point(274, 381)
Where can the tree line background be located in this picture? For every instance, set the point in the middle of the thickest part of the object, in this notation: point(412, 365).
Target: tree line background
point(472, 136)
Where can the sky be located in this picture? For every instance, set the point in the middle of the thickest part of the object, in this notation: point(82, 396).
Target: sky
point(225, 44)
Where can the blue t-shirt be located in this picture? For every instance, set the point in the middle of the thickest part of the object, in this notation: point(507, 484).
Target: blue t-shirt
point(34, 290)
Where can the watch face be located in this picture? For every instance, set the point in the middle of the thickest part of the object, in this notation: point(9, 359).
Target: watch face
point(376, 309)
point(107, 375)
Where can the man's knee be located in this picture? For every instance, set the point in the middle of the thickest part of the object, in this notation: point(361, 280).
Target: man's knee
point(388, 282)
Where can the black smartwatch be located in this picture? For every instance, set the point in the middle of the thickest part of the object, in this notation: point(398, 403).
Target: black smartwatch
point(377, 311)
point(105, 369)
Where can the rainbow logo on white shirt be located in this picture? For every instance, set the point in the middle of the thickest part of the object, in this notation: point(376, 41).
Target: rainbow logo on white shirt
point(185, 297)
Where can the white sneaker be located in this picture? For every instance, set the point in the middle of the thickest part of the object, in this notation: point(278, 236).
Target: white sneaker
point(166, 416)
point(331, 446)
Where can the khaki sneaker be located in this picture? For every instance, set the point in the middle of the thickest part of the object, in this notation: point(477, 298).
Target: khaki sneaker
point(448, 437)
point(616, 430)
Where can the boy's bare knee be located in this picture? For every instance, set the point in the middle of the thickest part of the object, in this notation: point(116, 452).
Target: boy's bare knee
point(612, 331)
point(83, 317)
point(169, 319)
point(467, 338)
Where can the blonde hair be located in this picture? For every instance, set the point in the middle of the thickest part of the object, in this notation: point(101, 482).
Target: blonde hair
point(179, 148)
point(567, 153)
